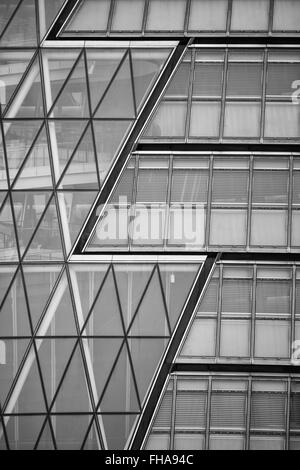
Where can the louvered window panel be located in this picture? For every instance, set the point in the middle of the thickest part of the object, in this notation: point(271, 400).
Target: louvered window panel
point(296, 187)
point(297, 297)
point(273, 296)
point(227, 410)
point(295, 411)
point(189, 186)
point(236, 296)
point(124, 187)
point(230, 186)
point(152, 186)
point(270, 187)
point(163, 418)
point(180, 83)
point(244, 80)
point(210, 299)
point(208, 80)
point(280, 79)
point(267, 411)
point(190, 409)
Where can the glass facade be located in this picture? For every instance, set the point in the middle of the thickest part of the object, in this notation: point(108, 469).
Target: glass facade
point(149, 217)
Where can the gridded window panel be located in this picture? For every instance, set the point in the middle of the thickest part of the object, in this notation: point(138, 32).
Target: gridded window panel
point(295, 228)
point(208, 80)
point(273, 296)
point(227, 410)
point(272, 338)
point(169, 120)
point(250, 15)
point(282, 120)
point(235, 338)
point(226, 442)
point(189, 185)
point(158, 442)
point(230, 186)
point(168, 15)
point(268, 228)
point(244, 80)
point(205, 117)
point(262, 442)
point(186, 226)
point(152, 186)
point(296, 187)
point(268, 411)
point(180, 83)
point(270, 187)
point(280, 79)
point(228, 227)
point(185, 441)
point(242, 119)
point(163, 417)
point(190, 409)
point(208, 15)
point(128, 15)
point(286, 15)
point(236, 296)
point(294, 443)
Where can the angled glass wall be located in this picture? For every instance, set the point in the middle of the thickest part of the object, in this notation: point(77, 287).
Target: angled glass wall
point(222, 412)
point(178, 17)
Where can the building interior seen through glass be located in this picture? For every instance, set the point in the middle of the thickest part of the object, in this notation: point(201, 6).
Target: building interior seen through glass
point(149, 224)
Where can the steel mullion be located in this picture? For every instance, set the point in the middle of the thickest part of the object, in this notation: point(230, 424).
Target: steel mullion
point(263, 99)
point(249, 205)
point(164, 300)
point(208, 409)
point(187, 16)
point(229, 16)
point(190, 95)
point(253, 311)
point(271, 17)
point(223, 96)
point(293, 309)
point(287, 410)
point(248, 414)
point(168, 203)
point(110, 17)
point(132, 83)
point(290, 203)
point(145, 16)
point(219, 311)
point(173, 414)
point(209, 200)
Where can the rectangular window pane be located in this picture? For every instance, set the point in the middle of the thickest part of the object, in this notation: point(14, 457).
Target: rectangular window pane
point(208, 80)
point(250, 15)
point(227, 410)
point(280, 79)
point(236, 296)
point(189, 186)
point(91, 15)
point(270, 187)
point(242, 120)
point(152, 185)
point(189, 441)
point(205, 118)
point(296, 187)
point(190, 409)
point(180, 82)
point(168, 15)
point(148, 226)
point(244, 80)
point(226, 442)
point(282, 120)
point(273, 296)
point(201, 339)
point(272, 338)
point(208, 15)
point(267, 443)
point(295, 228)
point(228, 227)
point(268, 411)
point(235, 336)
point(286, 15)
point(268, 228)
point(128, 15)
point(230, 186)
point(169, 120)
point(187, 226)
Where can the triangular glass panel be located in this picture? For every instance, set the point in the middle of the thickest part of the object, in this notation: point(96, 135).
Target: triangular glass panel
point(3, 175)
point(73, 394)
point(8, 244)
point(81, 172)
point(104, 353)
point(131, 282)
point(120, 393)
point(28, 207)
point(39, 281)
point(92, 441)
point(64, 137)
point(117, 429)
point(22, 30)
point(12, 353)
point(6, 275)
point(23, 431)
point(146, 66)
point(75, 205)
point(54, 355)
point(73, 99)
point(86, 280)
point(151, 317)
point(46, 440)
point(28, 102)
point(47, 15)
point(108, 136)
point(118, 101)
point(6, 11)
point(146, 355)
point(16, 61)
point(14, 319)
point(3, 444)
point(46, 243)
point(70, 430)
point(57, 65)
point(101, 64)
point(177, 281)
point(19, 137)
point(36, 170)
point(27, 395)
point(58, 319)
point(106, 318)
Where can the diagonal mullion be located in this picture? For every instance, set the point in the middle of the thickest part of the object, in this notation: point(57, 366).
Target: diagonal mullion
point(110, 83)
point(164, 300)
point(4, 429)
point(132, 83)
